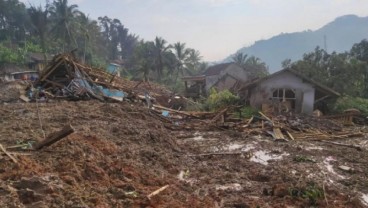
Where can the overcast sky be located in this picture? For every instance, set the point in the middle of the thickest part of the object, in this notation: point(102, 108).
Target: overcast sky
point(218, 28)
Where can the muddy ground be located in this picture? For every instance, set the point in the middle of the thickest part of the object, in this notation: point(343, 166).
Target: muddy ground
point(120, 153)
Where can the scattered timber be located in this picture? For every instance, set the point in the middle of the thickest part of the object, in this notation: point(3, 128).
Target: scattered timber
point(54, 137)
point(149, 196)
point(8, 154)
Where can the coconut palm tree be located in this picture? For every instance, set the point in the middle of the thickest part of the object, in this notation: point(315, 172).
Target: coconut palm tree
point(63, 17)
point(160, 50)
point(240, 59)
point(193, 60)
point(39, 20)
point(181, 54)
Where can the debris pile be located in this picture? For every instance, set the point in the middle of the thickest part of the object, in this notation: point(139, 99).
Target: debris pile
point(279, 127)
point(65, 77)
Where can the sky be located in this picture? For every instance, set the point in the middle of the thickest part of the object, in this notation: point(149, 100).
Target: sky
point(218, 28)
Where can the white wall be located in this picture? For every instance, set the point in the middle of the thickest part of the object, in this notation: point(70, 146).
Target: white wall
point(304, 91)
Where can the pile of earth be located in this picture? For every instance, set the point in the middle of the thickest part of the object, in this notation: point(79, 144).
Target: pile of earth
point(117, 156)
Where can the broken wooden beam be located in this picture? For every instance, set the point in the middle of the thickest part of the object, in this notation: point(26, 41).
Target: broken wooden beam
point(54, 137)
point(8, 154)
point(264, 116)
point(217, 153)
point(290, 135)
point(343, 145)
point(149, 196)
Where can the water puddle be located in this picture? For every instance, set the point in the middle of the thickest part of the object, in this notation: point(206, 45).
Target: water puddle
point(263, 157)
point(232, 187)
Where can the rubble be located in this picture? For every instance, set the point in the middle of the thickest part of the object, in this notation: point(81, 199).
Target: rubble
point(136, 154)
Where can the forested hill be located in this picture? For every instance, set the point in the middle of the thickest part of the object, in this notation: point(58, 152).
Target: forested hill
point(340, 35)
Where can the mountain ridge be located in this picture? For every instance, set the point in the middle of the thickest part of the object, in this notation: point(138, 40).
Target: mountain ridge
point(340, 35)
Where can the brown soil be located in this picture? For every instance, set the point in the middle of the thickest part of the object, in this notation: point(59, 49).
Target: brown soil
point(120, 153)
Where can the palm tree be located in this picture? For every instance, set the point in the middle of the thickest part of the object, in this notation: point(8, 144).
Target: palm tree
point(240, 59)
point(39, 20)
point(160, 51)
point(63, 16)
point(193, 60)
point(256, 67)
point(144, 59)
point(181, 54)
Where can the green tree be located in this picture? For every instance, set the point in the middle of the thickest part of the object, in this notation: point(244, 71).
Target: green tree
point(63, 17)
point(39, 20)
point(181, 54)
point(13, 20)
point(144, 60)
point(192, 62)
point(240, 59)
point(160, 50)
point(360, 52)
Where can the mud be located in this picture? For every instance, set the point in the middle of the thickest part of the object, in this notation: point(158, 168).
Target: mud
point(120, 153)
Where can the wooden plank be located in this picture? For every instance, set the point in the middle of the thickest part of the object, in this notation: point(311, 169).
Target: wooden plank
point(51, 70)
point(54, 137)
point(278, 134)
point(24, 98)
point(8, 154)
point(217, 153)
point(268, 119)
point(175, 111)
point(290, 136)
point(149, 196)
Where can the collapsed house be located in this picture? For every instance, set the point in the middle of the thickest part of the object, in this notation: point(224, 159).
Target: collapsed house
point(286, 90)
point(221, 77)
point(12, 72)
point(66, 78)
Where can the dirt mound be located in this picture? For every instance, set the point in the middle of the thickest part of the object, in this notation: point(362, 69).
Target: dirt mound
point(118, 156)
point(10, 91)
point(122, 152)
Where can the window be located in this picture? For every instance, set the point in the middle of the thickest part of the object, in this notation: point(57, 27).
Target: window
point(283, 94)
point(284, 97)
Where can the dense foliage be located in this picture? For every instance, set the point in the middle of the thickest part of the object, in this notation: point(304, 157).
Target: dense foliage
point(347, 73)
point(61, 27)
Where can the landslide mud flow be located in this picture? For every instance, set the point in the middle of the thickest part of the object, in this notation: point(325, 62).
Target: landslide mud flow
point(121, 153)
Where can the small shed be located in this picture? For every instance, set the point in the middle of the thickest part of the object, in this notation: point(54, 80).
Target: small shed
point(286, 90)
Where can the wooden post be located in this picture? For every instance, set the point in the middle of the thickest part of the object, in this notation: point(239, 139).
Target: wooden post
point(54, 137)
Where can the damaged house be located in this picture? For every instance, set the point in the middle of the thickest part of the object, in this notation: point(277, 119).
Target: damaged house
point(221, 77)
point(11, 72)
point(286, 90)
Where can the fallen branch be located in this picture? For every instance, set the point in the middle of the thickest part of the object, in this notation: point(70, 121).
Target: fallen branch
point(216, 153)
point(8, 154)
point(149, 196)
point(343, 145)
point(54, 137)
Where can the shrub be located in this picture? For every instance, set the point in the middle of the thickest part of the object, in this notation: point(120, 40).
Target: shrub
point(348, 102)
point(217, 100)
